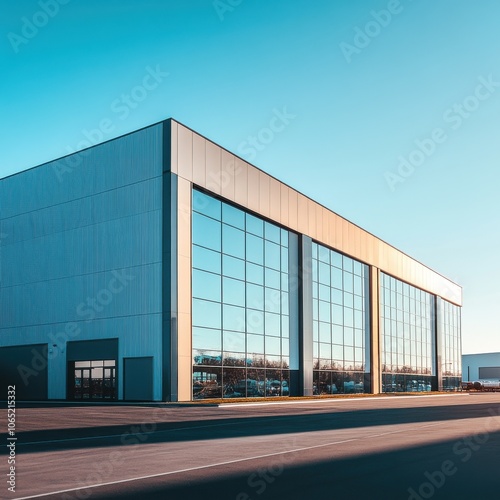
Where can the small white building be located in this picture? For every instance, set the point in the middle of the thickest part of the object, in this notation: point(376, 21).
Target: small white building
point(480, 366)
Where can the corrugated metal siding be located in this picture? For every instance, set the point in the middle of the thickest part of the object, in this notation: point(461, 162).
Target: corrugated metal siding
point(73, 228)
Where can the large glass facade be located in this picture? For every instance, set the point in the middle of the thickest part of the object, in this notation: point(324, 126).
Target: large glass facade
point(451, 358)
point(407, 337)
point(341, 327)
point(240, 303)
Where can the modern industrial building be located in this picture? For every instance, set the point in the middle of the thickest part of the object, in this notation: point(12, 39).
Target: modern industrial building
point(483, 366)
point(159, 266)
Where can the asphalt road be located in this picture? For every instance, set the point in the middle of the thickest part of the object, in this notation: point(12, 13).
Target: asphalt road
point(442, 447)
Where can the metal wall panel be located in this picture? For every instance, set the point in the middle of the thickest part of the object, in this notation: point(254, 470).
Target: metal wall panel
point(185, 152)
point(227, 175)
point(253, 188)
point(264, 193)
point(241, 182)
point(274, 199)
point(199, 160)
point(213, 168)
point(340, 234)
point(184, 344)
point(86, 251)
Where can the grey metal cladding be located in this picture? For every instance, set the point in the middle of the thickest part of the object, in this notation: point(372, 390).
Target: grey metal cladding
point(120, 162)
point(92, 233)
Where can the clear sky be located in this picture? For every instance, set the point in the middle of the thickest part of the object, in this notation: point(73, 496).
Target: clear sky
point(392, 107)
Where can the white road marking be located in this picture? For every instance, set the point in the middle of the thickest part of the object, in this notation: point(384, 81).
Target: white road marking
point(296, 450)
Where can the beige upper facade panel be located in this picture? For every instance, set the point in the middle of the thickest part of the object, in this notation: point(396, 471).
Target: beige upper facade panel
point(211, 167)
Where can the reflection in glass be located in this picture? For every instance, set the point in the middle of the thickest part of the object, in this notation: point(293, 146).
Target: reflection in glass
point(237, 321)
point(206, 232)
point(206, 313)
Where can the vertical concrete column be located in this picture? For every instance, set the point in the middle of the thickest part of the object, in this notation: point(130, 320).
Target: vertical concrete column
point(169, 288)
point(294, 317)
point(184, 338)
point(437, 351)
point(176, 286)
point(305, 317)
point(376, 375)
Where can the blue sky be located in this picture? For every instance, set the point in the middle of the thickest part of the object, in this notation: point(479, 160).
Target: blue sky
point(364, 84)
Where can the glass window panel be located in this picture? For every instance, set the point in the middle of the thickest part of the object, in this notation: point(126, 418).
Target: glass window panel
point(349, 353)
point(323, 254)
point(272, 300)
point(234, 341)
point(206, 232)
point(255, 343)
point(255, 249)
point(272, 278)
point(207, 314)
point(348, 282)
point(324, 311)
point(206, 205)
point(273, 361)
point(285, 346)
point(273, 346)
point(337, 296)
point(358, 302)
point(233, 292)
point(347, 264)
point(273, 324)
point(206, 338)
point(272, 255)
point(336, 259)
point(205, 259)
point(284, 237)
point(255, 296)
point(357, 268)
point(324, 292)
point(348, 316)
point(337, 314)
point(233, 241)
point(272, 232)
point(358, 285)
point(232, 267)
point(358, 355)
point(233, 216)
point(255, 321)
point(235, 383)
point(324, 332)
point(348, 299)
point(254, 225)
point(337, 334)
point(255, 273)
point(349, 337)
point(284, 259)
point(325, 351)
point(358, 337)
point(324, 274)
point(204, 357)
point(336, 277)
point(337, 351)
point(233, 318)
point(358, 319)
point(206, 285)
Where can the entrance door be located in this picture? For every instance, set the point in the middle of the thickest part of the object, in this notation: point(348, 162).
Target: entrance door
point(91, 380)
